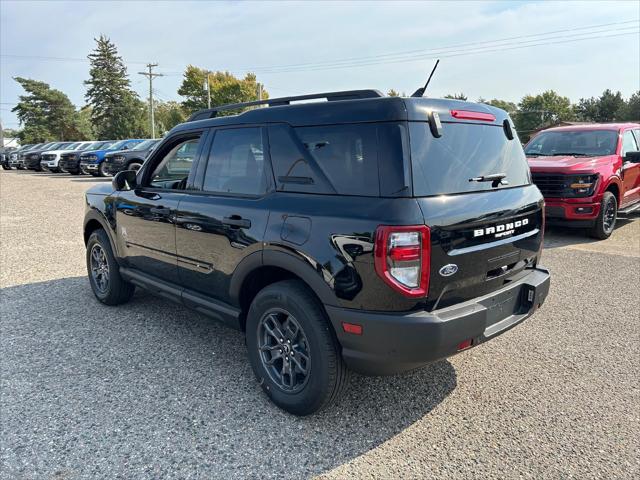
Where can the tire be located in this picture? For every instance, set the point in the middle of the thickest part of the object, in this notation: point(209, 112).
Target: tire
point(74, 172)
point(606, 221)
point(327, 375)
point(135, 166)
point(6, 167)
point(116, 290)
point(102, 171)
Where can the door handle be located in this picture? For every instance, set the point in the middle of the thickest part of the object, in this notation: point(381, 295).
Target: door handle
point(160, 210)
point(236, 221)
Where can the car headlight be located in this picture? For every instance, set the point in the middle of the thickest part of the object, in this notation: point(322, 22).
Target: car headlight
point(582, 185)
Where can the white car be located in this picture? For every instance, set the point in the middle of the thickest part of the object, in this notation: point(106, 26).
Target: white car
point(50, 160)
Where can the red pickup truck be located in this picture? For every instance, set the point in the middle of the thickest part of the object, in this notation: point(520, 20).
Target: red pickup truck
point(587, 173)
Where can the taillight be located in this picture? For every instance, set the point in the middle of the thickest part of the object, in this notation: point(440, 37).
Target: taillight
point(402, 258)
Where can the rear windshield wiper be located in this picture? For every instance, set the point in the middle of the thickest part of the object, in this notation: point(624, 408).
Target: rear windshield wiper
point(495, 178)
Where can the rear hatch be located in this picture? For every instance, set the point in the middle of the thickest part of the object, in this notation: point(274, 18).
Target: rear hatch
point(484, 234)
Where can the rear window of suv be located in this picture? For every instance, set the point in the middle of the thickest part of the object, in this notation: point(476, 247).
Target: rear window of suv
point(445, 165)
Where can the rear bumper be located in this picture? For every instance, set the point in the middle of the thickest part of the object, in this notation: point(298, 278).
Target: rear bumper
point(394, 342)
point(574, 212)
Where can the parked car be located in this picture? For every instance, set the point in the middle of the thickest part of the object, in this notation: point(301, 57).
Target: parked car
point(132, 159)
point(70, 161)
point(16, 159)
point(50, 160)
point(21, 160)
point(92, 162)
point(5, 154)
point(587, 174)
point(365, 232)
point(32, 157)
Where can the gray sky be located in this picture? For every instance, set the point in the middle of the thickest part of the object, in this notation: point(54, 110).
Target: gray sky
point(297, 48)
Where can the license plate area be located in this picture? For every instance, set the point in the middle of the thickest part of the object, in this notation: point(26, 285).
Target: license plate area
point(503, 305)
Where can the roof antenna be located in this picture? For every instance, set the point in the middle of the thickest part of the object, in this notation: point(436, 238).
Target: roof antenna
point(420, 92)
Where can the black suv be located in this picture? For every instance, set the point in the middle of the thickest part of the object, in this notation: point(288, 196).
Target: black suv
point(132, 159)
point(364, 232)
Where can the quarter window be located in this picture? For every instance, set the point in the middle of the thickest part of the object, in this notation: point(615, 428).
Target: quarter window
point(236, 163)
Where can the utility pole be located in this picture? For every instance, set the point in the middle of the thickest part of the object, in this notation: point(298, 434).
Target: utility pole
point(1, 135)
point(207, 87)
point(259, 91)
point(151, 76)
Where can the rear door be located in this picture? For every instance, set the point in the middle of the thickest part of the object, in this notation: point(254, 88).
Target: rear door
point(630, 170)
point(224, 218)
point(483, 233)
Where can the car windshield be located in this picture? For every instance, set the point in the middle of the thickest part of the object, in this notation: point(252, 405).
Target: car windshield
point(100, 146)
point(145, 145)
point(573, 142)
point(117, 145)
point(72, 146)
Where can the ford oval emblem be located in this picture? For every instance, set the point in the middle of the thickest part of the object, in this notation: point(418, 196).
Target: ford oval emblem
point(449, 270)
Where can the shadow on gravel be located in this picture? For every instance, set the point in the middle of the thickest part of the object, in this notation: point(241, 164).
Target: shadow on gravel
point(556, 236)
point(151, 389)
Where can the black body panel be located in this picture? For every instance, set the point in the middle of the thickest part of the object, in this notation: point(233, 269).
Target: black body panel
point(207, 249)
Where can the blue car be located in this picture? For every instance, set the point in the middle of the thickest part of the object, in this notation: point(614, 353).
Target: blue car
point(92, 161)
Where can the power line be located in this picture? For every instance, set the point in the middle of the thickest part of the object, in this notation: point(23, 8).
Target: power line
point(455, 53)
point(408, 52)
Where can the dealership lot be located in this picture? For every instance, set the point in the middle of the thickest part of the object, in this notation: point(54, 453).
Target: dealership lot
point(151, 390)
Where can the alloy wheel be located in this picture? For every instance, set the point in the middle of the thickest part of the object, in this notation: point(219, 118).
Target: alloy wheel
point(609, 217)
point(284, 350)
point(99, 268)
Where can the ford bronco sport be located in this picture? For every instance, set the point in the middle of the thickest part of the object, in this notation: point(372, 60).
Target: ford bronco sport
point(587, 173)
point(369, 233)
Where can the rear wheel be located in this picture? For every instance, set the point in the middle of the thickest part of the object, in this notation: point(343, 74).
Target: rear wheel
point(293, 350)
point(606, 221)
point(104, 275)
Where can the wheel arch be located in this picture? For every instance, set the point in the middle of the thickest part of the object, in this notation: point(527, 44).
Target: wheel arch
point(262, 269)
point(614, 187)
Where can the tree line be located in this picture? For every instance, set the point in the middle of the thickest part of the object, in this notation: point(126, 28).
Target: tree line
point(114, 110)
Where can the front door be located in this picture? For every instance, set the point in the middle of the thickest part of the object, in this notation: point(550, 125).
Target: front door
point(217, 227)
point(145, 216)
point(630, 170)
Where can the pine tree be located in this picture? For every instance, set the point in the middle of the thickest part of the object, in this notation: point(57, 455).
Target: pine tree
point(47, 114)
point(116, 110)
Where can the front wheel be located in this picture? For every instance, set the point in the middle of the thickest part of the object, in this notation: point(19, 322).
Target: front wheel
point(104, 275)
point(102, 170)
point(606, 221)
point(293, 350)
point(135, 166)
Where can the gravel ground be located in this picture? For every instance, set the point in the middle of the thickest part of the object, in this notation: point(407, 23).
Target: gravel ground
point(151, 390)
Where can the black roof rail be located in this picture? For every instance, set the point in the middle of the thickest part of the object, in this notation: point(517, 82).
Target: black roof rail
point(274, 102)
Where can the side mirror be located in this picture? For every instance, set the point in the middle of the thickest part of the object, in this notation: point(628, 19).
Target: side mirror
point(125, 180)
point(633, 157)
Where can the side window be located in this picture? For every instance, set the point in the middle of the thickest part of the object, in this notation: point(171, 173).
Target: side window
point(628, 143)
point(236, 162)
point(172, 171)
point(345, 157)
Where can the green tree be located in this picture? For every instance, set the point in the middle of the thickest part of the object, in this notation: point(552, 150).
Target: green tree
point(631, 109)
point(539, 111)
point(116, 110)
point(47, 114)
point(224, 89)
point(606, 108)
point(508, 107)
point(457, 96)
point(168, 115)
point(83, 124)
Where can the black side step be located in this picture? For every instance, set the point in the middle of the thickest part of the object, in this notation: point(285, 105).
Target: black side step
point(227, 314)
point(630, 208)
